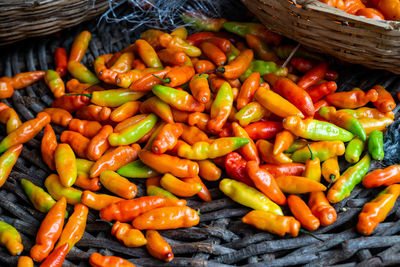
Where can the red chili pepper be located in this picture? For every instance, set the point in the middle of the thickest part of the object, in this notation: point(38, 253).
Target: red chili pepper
point(286, 169)
point(301, 64)
point(99, 143)
point(302, 213)
point(235, 167)
point(48, 146)
point(313, 76)
point(318, 91)
point(248, 90)
point(379, 177)
point(57, 257)
point(263, 129)
point(60, 57)
point(202, 66)
point(385, 102)
point(98, 260)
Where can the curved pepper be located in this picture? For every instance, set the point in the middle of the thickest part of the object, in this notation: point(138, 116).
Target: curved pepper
point(114, 97)
point(192, 134)
point(25, 132)
point(354, 150)
point(167, 138)
point(298, 185)
point(316, 130)
point(10, 238)
point(117, 184)
point(79, 46)
point(137, 169)
point(123, 63)
point(57, 257)
point(178, 76)
point(179, 187)
point(99, 143)
point(248, 196)
point(147, 54)
point(125, 233)
point(85, 127)
point(322, 150)
point(128, 122)
point(273, 223)
point(77, 142)
point(74, 86)
point(175, 42)
point(352, 99)
point(127, 210)
point(58, 191)
point(200, 88)
point(59, 116)
point(265, 149)
point(379, 177)
point(204, 194)
point(65, 162)
point(321, 208)
point(385, 101)
point(344, 120)
point(302, 213)
point(330, 170)
point(376, 211)
point(375, 145)
point(158, 107)
point(220, 108)
point(10, 117)
point(313, 76)
point(85, 182)
point(318, 91)
point(250, 113)
point(71, 102)
point(98, 201)
point(158, 247)
point(178, 99)
point(166, 218)
point(94, 113)
point(349, 179)
point(7, 162)
point(98, 260)
point(49, 231)
point(41, 200)
point(55, 83)
point(283, 141)
point(80, 72)
point(238, 66)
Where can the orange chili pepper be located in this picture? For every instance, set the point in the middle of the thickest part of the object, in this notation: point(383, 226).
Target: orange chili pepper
point(165, 163)
point(98, 260)
point(286, 169)
point(330, 169)
point(115, 159)
point(71, 102)
point(200, 120)
point(147, 82)
point(158, 247)
point(55, 83)
point(117, 184)
point(147, 53)
point(352, 99)
point(200, 88)
point(10, 117)
point(203, 66)
point(385, 101)
point(23, 79)
point(302, 213)
point(265, 182)
point(60, 57)
point(127, 210)
point(83, 181)
point(59, 116)
point(249, 151)
point(379, 177)
point(25, 132)
point(178, 76)
point(313, 167)
point(126, 79)
point(220, 108)
point(93, 113)
point(85, 127)
point(298, 185)
point(208, 170)
point(192, 134)
point(77, 141)
point(247, 90)
point(265, 149)
point(273, 223)
point(123, 63)
point(376, 211)
point(166, 218)
point(79, 46)
point(321, 208)
point(99, 143)
point(204, 194)
point(75, 227)
point(25, 261)
point(125, 111)
point(238, 66)
point(48, 146)
point(313, 76)
point(49, 231)
point(98, 201)
point(65, 162)
point(179, 187)
point(74, 86)
point(283, 141)
point(6, 87)
point(171, 56)
point(167, 138)
point(128, 235)
point(158, 107)
point(212, 52)
point(153, 181)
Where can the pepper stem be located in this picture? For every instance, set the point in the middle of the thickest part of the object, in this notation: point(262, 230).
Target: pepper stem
point(310, 234)
point(312, 157)
point(332, 176)
point(222, 70)
point(168, 80)
point(101, 220)
point(87, 95)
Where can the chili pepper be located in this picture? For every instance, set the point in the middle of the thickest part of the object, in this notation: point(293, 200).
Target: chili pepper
point(129, 236)
point(151, 36)
point(273, 223)
point(41, 200)
point(379, 177)
point(265, 149)
point(65, 162)
point(83, 181)
point(171, 56)
point(10, 117)
point(371, 113)
point(58, 191)
point(77, 142)
point(316, 130)
point(198, 37)
point(375, 145)
point(212, 52)
point(313, 76)
point(252, 112)
point(286, 169)
point(155, 190)
point(302, 213)
point(147, 54)
point(55, 83)
point(235, 166)
point(24, 79)
point(217, 148)
point(99, 143)
point(220, 108)
point(263, 130)
point(264, 68)
point(167, 138)
point(158, 247)
point(208, 170)
point(57, 257)
point(98, 260)
point(137, 169)
point(248, 196)
point(175, 42)
point(261, 48)
point(257, 29)
point(330, 170)
point(352, 99)
point(301, 64)
point(84, 165)
point(114, 97)
point(115, 159)
point(192, 134)
point(313, 167)
point(371, 125)
point(354, 150)
point(71, 103)
point(127, 210)
point(59, 116)
point(321, 90)
point(238, 66)
point(204, 194)
point(179, 187)
point(203, 66)
point(79, 46)
point(297, 144)
point(125, 80)
point(80, 72)
point(147, 81)
point(49, 231)
point(321, 208)
point(60, 57)
point(7, 162)
point(25, 132)
point(117, 184)
point(376, 211)
point(6, 87)
point(249, 151)
point(249, 87)
point(129, 122)
point(74, 86)
point(233, 53)
point(25, 261)
point(200, 120)
point(200, 22)
point(133, 133)
point(178, 99)
point(166, 218)
point(298, 185)
point(276, 104)
point(349, 179)
point(123, 63)
point(94, 113)
point(85, 127)
point(200, 88)
point(98, 201)
point(48, 146)
point(283, 141)
point(10, 238)
point(322, 150)
point(157, 106)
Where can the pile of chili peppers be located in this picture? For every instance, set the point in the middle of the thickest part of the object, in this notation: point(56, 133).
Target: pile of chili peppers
point(184, 109)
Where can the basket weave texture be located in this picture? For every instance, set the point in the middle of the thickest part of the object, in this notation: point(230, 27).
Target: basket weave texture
point(355, 39)
point(21, 19)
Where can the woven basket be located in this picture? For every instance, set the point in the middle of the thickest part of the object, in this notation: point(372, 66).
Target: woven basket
point(21, 19)
point(355, 39)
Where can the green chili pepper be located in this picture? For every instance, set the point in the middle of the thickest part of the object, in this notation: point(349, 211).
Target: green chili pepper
point(263, 67)
point(57, 190)
point(233, 53)
point(375, 145)
point(133, 133)
point(55, 83)
point(82, 73)
point(41, 200)
point(10, 238)
point(248, 196)
point(137, 169)
point(297, 144)
point(114, 98)
point(156, 191)
point(349, 179)
point(7, 162)
point(322, 150)
point(252, 112)
point(178, 99)
point(221, 108)
point(200, 22)
point(354, 150)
